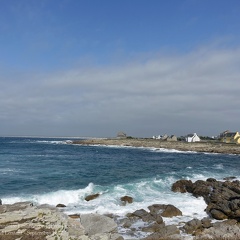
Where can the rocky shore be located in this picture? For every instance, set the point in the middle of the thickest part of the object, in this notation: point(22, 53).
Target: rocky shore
point(25, 221)
point(210, 147)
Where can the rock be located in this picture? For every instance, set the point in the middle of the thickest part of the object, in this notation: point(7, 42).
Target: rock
point(228, 229)
point(191, 226)
point(127, 199)
point(25, 221)
point(60, 205)
point(229, 178)
point(142, 214)
point(74, 216)
point(97, 224)
point(201, 188)
point(182, 186)
point(167, 232)
point(165, 210)
point(154, 227)
point(217, 214)
point(222, 198)
point(91, 197)
point(0, 201)
point(206, 223)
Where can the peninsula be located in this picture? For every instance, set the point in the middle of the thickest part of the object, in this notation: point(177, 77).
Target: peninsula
point(208, 146)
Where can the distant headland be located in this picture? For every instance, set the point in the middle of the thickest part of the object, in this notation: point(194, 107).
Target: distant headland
point(202, 146)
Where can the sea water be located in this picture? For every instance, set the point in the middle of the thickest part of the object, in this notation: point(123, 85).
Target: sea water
point(49, 170)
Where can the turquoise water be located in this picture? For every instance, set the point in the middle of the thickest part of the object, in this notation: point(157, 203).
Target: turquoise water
point(48, 170)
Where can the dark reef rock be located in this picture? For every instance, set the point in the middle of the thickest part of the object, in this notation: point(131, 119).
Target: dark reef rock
point(127, 199)
point(165, 210)
point(182, 186)
point(222, 198)
point(91, 197)
point(60, 205)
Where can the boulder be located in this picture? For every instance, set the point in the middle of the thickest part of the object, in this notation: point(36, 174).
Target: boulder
point(192, 226)
point(60, 205)
point(142, 214)
point(167, 232)
point(127, 199)
point(206, 223)
point(97, 224)
point(165, 210)
point(91, 197)
point(217, 214)
point(182, 186)
point(154, 227)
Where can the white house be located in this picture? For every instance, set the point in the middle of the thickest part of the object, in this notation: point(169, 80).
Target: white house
point(192, 138)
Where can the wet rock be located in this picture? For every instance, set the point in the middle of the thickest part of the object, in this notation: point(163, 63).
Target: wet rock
point(182, 186)
point(222, 198)
point(60, 205)
point(165, 210)
point(229, 178)
point(91, 197)
point(127, 199)
point(201, 188)
point(142, 214)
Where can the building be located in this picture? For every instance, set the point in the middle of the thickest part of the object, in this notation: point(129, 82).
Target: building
point(230, 137)
point(193, 137)
point(172, 138)
point(121, 135)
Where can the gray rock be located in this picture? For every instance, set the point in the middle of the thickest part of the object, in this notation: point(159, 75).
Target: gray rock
point(165, 210)
point(97, 224)
point(168, 232)
point(228, 229)
point(191, 226)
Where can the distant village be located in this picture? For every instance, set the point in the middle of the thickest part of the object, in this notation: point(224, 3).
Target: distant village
point(224, 137)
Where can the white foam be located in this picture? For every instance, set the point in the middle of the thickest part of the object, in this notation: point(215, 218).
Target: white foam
point(53, 142)
point(145, 193)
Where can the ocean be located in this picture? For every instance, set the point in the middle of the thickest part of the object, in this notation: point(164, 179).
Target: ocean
point(49, 170)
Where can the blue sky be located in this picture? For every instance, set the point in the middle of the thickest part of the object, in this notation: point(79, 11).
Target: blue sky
point(92, 68)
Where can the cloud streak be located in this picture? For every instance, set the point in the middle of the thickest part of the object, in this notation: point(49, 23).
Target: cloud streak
point(177, 94)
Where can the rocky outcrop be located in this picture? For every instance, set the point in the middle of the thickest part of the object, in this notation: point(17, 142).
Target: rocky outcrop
point(222, 198)
point(96, 225)
point(26, 221)
point(228, 229)
point(153, 221)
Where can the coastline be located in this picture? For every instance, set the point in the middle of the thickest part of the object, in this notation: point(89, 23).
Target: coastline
point(24, 220)
point(207, 147)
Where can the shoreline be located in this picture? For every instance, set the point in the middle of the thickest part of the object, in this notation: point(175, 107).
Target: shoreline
point(202, 147)
point(25, 220)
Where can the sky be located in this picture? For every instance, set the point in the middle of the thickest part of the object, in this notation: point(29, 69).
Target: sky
point(94, 68)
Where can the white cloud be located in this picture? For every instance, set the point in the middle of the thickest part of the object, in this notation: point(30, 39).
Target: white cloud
point(198, 91)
